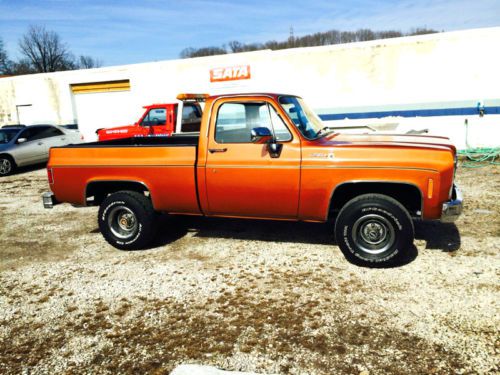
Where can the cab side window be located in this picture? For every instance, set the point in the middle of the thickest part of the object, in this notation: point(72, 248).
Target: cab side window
point(191, 118)
point(235, 122)
point(155, 116)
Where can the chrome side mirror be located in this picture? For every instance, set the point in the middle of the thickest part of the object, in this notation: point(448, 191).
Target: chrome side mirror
point(22, 140)
point(261, 135)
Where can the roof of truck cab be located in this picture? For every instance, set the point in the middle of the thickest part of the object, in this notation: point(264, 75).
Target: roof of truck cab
point(269, 94)
point(160, 105)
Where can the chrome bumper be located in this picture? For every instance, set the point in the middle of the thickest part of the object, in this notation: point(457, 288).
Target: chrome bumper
point(49, 200)
point(452, 208)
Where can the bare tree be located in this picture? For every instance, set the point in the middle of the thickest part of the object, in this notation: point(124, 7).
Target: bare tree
point(45, 51)
point(236, 46)
point(206, 51)
point(88, 62)
point(310, 40)
point(388, 34)
point(5, 63)
point(364, 35)
point(422, 31)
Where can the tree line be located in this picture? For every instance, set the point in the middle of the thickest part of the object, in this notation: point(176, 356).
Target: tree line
point(43, 51)
point(310, 40)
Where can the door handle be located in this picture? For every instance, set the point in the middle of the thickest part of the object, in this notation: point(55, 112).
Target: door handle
point(40, 143)
point(212, 150)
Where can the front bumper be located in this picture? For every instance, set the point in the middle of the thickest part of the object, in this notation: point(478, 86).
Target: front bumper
point(49, 200)
point(452, 208)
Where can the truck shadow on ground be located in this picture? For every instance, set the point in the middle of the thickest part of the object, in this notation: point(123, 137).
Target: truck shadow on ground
point(438, 236)
point(29, 168)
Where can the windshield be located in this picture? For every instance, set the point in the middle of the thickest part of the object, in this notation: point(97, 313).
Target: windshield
point(308, 123)
point(6, 135)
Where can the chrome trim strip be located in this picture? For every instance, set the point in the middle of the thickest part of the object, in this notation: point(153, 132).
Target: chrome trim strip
point(366, 167)
point(124, 166)
point(231, 166)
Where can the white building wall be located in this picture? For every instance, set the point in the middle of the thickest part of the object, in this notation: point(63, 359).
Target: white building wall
point(439, 72)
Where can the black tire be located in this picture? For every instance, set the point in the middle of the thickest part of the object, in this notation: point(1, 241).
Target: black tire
point(127, 220)
point(7, 165)
point(374, 229)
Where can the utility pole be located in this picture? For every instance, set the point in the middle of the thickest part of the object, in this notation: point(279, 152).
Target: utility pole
point(291, 38)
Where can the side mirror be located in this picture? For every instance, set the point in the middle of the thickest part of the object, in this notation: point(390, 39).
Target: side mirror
point(261, 135)
point(21, 140)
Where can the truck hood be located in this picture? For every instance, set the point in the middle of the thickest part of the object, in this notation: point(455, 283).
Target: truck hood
point(387, 140)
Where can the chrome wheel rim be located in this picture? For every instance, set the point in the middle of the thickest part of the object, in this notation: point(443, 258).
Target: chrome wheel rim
point(5, 166)
point(122, 222)
point(373, 234)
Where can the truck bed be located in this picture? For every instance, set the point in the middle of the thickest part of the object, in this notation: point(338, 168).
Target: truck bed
point(166, 166)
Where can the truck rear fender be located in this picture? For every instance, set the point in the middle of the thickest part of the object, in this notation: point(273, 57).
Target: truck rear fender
point(408, 194)
point(96, 191)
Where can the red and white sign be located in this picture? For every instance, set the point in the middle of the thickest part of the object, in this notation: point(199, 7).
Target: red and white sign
point(232, 73)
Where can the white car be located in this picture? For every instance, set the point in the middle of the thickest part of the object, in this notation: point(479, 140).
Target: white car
point(22, 145)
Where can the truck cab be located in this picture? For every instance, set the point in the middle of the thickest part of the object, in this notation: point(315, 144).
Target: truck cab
point(159, 120)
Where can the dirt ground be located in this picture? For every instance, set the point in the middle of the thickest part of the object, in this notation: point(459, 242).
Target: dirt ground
point(244, 295)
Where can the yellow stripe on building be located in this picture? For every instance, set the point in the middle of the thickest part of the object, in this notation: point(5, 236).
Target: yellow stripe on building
point(108, 86)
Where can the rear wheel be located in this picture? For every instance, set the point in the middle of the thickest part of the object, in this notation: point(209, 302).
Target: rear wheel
point(7, 165)
point(373, 229)
point(127, 220)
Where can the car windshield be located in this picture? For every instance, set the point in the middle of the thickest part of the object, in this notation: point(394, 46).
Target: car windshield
point(6, 135)
point(308, 122)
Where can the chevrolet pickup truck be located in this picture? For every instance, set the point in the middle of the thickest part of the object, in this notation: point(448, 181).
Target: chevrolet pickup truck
point(264, 156)
point(158, 120)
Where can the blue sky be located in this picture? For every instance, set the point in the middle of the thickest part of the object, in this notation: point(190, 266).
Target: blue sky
point(127, 31)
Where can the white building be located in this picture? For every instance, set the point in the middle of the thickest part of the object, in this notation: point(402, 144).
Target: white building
point(439, 82)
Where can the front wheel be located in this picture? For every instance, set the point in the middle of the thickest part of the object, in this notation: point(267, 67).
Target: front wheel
point(7, 165)
point(127, 220)
point(373, 229)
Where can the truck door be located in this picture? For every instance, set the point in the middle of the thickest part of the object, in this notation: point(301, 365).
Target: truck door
point(154, 122)
point(242, 177)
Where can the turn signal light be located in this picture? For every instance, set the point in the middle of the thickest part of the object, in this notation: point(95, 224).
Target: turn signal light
point(430, 188)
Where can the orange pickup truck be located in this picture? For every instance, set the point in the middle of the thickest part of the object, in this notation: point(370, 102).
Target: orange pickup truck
point(265, 156)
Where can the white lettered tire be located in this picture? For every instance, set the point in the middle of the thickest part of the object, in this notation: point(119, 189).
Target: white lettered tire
point(373, 229)
point(127, 220)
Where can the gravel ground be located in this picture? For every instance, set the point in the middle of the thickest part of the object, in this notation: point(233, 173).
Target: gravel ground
point(244, 295)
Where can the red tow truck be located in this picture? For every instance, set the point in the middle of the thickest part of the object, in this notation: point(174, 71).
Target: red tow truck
point(159, 120)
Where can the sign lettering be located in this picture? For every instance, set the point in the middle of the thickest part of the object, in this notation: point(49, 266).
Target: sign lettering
point(232, 73)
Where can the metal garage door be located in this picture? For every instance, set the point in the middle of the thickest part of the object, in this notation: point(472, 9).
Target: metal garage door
point(103, 104)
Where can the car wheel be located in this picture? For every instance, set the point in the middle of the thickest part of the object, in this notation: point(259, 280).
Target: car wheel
point(7, 165)
point(373, 229)
point(127, 220)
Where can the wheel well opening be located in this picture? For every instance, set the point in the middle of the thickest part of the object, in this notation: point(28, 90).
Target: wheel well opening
point(408, 195)
point(97, 191)
point(7, 156)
